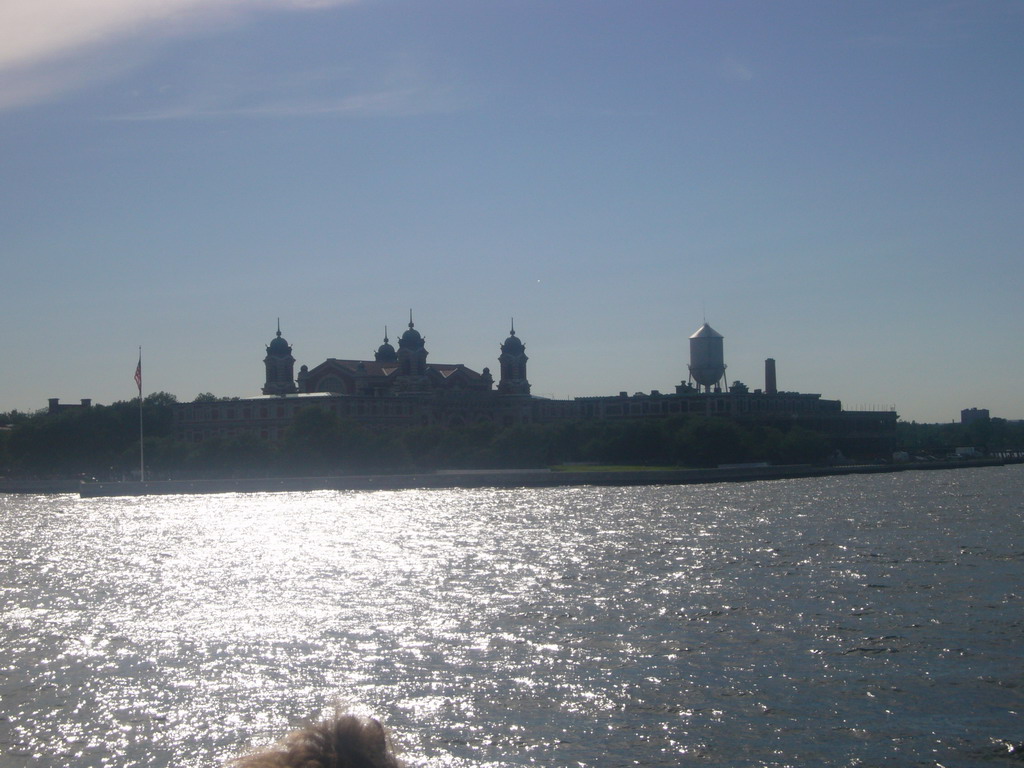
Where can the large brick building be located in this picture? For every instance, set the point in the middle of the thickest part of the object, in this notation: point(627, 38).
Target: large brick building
point(399, 387)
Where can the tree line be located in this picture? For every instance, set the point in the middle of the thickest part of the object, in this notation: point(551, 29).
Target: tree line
point(988, 435)
point(103, 442)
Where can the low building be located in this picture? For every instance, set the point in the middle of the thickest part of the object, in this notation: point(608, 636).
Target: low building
point(56, 406)
point(855, 433)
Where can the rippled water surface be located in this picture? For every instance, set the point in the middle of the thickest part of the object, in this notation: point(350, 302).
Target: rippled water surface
point(858, 621)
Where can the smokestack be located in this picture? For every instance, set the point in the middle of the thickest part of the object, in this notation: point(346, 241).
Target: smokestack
point(770, 387)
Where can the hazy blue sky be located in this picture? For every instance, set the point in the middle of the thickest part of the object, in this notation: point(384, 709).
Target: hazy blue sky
point(839, 186)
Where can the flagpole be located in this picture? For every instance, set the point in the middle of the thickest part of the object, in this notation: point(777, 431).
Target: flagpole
point(142, 458)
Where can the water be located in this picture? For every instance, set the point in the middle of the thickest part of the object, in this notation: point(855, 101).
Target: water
point(856, 621)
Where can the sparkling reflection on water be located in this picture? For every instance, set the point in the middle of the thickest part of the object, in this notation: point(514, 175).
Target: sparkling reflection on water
point(842, 621)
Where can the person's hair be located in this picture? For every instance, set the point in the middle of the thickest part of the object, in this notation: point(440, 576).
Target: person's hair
point(345, 741)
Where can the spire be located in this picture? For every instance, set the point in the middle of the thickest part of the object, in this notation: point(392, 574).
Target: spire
point(385, 352)
point(280, 366)
point(513, 365)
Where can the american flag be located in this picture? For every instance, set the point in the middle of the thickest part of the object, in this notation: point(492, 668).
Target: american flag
point(138, 375)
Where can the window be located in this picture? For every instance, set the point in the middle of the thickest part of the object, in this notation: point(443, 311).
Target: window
point(332, 384)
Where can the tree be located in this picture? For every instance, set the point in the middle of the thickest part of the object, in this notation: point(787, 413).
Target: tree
point(637, 442)
point(5, 458)
point(802, 446)
point(763, 443)
point(97, 441)
point(709, 441)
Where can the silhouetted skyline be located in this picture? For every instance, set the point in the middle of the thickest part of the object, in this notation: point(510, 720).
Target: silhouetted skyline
point(838, 187)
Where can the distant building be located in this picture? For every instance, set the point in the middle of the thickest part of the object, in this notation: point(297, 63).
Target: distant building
point(402, 372)
point(770, 385)
point(56, 406)
point(399, 388)
point(855, 433)
point(970, 415)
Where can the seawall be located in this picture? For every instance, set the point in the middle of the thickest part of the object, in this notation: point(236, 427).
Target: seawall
point(541, 478)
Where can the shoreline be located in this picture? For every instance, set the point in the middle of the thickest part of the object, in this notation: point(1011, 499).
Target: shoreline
point(479, 478)
point(526, 478)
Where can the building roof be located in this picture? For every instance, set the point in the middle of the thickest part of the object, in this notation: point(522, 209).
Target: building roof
point(387, 369)
point(706, 332)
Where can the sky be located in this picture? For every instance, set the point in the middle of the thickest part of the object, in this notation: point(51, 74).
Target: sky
point(838, 186)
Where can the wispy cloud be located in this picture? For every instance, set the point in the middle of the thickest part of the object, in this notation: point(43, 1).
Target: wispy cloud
point(404, 102)
point(393, 87)
point(50, 46)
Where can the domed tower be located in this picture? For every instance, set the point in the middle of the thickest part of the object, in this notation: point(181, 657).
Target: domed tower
point(412, 359)
point(513, 366)
point(280, 367)
point(385, 352)
point(707, 358)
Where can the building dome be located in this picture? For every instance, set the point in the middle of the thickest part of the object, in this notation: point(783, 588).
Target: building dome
point(280, 366)
point(279, 347)
point(512, 344)
point(411, 339)
point(385, 352)
point(513, 366)
point(412, 360)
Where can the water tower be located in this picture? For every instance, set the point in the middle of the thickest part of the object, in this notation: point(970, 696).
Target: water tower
point(707, 358)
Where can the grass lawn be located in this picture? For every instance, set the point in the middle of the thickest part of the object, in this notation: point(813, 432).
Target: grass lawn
point(608, 468)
